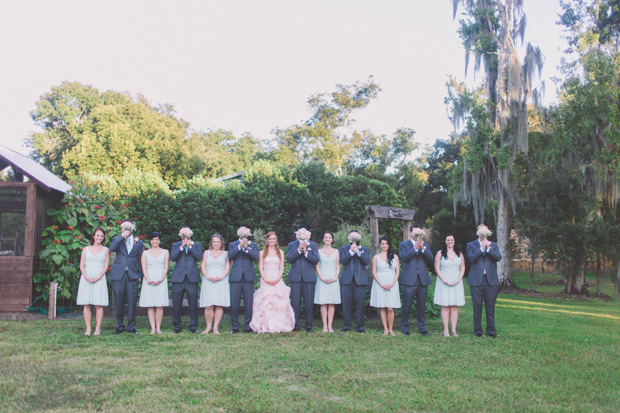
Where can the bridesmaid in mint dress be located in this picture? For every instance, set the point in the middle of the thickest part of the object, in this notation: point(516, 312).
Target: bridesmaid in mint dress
point(93, 287)
point(385, 293)
point(215, 289)
point(154, 293)
point(449, 291)
point(327, 290)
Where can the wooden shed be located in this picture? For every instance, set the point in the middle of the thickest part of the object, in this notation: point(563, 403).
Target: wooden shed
point(24, 200)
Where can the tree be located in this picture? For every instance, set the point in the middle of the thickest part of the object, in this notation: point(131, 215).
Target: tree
point(328, 136)
point(494, 140)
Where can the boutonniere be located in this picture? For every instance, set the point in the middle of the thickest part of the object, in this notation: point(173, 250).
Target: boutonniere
point(308, 249)
point(136, 239)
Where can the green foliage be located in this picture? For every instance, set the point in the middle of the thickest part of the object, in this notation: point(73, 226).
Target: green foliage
point(83, 209)
point(131, 183)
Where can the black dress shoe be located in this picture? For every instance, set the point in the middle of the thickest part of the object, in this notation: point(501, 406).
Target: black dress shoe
point(478, 334)
point(492, 335)
point(194, 331)
point(344, 330)
point(405, 333)
point(424, 333)
point(119, 331)
point(308, 329)
point(234, 331)
point(361, 331)
point(296, 329)
point(249, 331)
point(176, 331)
point(133, 332)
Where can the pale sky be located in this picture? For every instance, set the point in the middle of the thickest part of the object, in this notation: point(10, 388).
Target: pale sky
point(247, 65)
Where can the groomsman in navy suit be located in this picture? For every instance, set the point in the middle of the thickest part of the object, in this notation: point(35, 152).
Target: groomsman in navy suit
point(242, 253)
point(303, 257)
point(185, 278)
point(125, 275)
point(415, 254)
point(353, 281)
point(483, 281)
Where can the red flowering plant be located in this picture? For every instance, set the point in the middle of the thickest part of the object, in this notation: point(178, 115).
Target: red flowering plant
point(83, 209)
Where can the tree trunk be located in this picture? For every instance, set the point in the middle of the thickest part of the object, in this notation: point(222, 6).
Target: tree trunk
point(576, 281)
point(532, 267)
point(504, 227)
point(598, 271)
point(617, 274)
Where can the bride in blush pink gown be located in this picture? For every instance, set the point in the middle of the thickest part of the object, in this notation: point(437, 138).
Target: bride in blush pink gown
point(272, 311)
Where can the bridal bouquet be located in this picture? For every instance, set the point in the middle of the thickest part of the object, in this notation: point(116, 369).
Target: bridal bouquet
point(418, 232)
point(303, 235)
point(128, 226)
point(186, 233)
point(355, 237)
point(244, 232)
point(485, 233)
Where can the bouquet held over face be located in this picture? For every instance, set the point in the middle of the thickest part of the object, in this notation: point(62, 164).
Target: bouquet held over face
point(303, 235)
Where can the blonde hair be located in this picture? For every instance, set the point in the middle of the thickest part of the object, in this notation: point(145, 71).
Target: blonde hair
point(277, 246)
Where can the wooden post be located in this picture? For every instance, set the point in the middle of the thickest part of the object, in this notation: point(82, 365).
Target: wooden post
point(51, 309)
point(374, 234)
point(406, 225)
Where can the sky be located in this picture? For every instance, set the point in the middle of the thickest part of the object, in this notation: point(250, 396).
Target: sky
point(247, 65)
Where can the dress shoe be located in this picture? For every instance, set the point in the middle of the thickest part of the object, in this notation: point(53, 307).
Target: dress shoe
point(133, 332)
point(234, 331)
point(308, 329)
point(249, 331)
point(478, 334)
point(361, 331)
point(344, 330)
point(194, 331)
point(176, 331)
point(119, 331)
point(424, 333)
point(492, 335)
point(296, 329)
point(405, 333)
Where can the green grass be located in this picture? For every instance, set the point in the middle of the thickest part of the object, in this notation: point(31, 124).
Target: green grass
point(552, 354)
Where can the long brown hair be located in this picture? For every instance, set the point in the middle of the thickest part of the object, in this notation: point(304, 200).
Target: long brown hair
point(277, 246)
point(222, 245)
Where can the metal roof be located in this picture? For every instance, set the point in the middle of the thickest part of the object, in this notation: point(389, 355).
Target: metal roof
point(32, 170)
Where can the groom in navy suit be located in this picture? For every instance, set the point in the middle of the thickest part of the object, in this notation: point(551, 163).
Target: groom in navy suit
point(185, 278)
point(125, 275)
point(303, 257)
point(242, 253)
point(483, 281)
point(415, 254)
point(353, 281)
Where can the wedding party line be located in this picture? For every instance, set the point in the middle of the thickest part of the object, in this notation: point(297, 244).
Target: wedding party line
point(325, 276)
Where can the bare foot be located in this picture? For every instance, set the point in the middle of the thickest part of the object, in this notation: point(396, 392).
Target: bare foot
point(87, 333)
point(152, 332)
point(446, 334)
point(325, 330)
point(331, 330)
point(216, 332)
point(454, 334)
point(392, 333)
point(97, 333)
point(158, 331)
point(206, 331)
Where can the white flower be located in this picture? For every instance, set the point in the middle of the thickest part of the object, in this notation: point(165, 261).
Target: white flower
point(185, 232)
point(128, 226)
point(418, 232)
point(303, 234)
point(244, 232)
point(354, 237)
point(484, 233)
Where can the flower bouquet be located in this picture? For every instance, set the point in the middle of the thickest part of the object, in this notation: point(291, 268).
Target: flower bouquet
point(128, 226)
point(355, 237)
point(186, 233)
point(420, 233)
point(244, 232)
point(484, 233)
point(303, 235)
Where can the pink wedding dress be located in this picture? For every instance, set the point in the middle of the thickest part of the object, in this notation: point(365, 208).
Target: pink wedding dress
point(272, 311)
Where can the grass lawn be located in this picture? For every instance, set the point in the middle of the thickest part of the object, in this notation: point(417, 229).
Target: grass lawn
point(552, 354)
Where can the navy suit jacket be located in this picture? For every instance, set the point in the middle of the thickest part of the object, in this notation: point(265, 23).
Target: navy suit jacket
point(129, 260)
point(185, 262)
point(242, 267)
point(302, 267)
point(481, 262)
point(354, 266)
point(414, 263)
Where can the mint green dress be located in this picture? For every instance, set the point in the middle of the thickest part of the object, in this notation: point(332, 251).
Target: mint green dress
point(379, 297)
point(327, 293)
point(155, 295)
point(93, 293)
